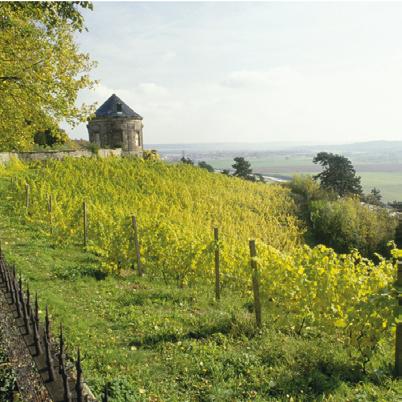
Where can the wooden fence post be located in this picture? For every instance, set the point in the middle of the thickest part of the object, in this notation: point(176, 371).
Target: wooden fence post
point(78, 383)
point(105, 396)
point(256, 283)
point(217, 266)
point(27, 196)
point(137, 246)
point(398, 333)
point(85, 223)
point(49, 210)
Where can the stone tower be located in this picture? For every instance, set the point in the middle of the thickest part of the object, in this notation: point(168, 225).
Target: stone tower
point(116, 125)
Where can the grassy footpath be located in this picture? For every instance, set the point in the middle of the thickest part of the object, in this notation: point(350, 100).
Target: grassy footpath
point(155, 342)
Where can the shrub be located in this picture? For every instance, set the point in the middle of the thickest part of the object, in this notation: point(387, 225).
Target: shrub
point(346, 223)
point(94, 148)
point(151, 154)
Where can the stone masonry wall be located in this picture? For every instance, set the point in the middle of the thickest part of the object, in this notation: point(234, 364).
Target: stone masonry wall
point(122, 132)
point(34, 156)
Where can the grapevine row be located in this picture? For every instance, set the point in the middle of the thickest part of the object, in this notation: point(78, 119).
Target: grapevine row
point(305, 289)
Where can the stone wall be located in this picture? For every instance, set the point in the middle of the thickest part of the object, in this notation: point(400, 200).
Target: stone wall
point(5, 157)
point(35, 156)
point(121, 132)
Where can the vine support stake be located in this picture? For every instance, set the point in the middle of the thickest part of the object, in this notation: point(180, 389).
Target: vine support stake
point(85, 223)
point(217, 266)
point(61, 349)
point(47, 323)
point(137, 245)
point(27, 196)
point(49, 210)
point(256, 283)
point(17, 299)
point(49, 358)
point(62, 368)
point(36, 309)
point(14, 295)
point(105, 396)
point(38, 346)
point(398, 333)
point(2, 272)
point(25, 315)
point(20, 295)
point(28, 301)
point(66, 386)
point(8, 281)
point(78, 384)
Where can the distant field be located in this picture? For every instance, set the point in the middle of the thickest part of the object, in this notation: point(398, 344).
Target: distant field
point(390, 183)
point(385, 176)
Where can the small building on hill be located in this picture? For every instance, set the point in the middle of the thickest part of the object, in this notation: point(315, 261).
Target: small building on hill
point(116, 125)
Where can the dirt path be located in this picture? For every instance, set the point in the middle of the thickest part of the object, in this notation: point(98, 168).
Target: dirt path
point(29, 363)
point(29, 381)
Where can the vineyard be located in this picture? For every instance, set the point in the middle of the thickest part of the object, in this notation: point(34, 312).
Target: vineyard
point(311, 298)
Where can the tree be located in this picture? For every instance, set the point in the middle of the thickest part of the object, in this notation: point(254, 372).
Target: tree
point(305, 190)
point(259, 177)
point(338, 175)
point(398, 232)
point(186, 161)
point(374, 198)
point(41, 69)
point(226, 172)
point(205, 165)
point(243, 169)
point(397, 205)
point(49, 137)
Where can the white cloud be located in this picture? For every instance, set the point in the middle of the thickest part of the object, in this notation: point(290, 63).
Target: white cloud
point(274, 77)
point(200, 72)
point(151, 89)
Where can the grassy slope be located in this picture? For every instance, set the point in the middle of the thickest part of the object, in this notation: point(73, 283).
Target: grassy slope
point(156, 342)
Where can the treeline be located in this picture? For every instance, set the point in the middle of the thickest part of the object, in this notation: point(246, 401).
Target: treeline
point(338, 214)
point(343, 223)
point(333, 206)
point(241, 168)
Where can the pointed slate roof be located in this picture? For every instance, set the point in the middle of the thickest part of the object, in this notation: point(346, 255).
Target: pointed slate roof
point(111, 109)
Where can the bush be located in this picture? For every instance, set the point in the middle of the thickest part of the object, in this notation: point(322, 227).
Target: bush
point(306, 189)
point(49, 138)
point(341, 223)
point(186, 161)
point(94, 148)
point(346, 223)
point(151, 155)
point(205, 165)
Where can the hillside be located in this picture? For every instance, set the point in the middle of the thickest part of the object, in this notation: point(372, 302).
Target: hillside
point(176, 207)
point(327, 319)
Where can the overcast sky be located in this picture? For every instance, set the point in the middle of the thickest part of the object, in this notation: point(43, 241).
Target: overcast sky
point(251, 72)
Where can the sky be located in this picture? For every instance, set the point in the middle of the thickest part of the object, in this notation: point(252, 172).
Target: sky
point(250, 72)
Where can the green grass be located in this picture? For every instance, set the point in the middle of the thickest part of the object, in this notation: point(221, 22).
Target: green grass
point(153, 341)
point(390, 184)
